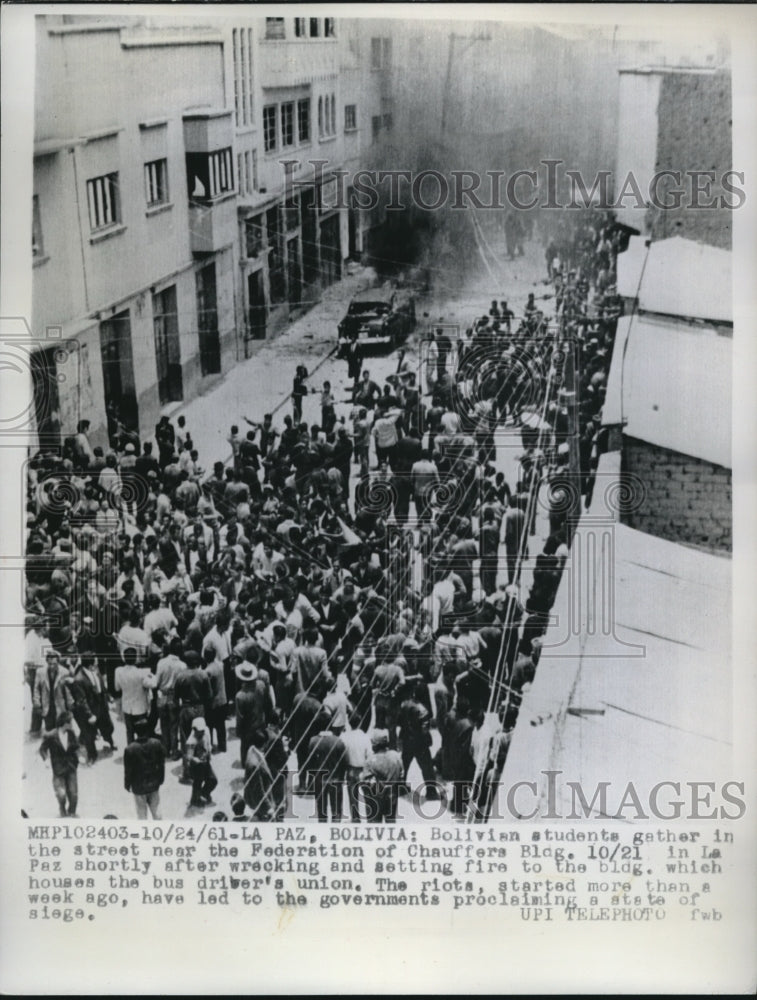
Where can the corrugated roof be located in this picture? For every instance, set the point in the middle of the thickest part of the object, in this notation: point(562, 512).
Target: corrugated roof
point(657, 708)
point(673, 387)
point(681, 278)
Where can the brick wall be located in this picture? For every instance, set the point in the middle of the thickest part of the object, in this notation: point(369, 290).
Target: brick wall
point(694, 133)
point(686, 499)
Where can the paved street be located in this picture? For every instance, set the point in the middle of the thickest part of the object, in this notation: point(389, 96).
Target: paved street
point(255, 386)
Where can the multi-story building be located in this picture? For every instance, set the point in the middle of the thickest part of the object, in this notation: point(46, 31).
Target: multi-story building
point(134, 209)
point(189, 197)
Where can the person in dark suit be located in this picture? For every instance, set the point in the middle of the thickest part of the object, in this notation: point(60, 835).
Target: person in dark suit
point(332, 620)
point(327, 762)
point(91, 706)
point(52, 690)
point(145, 770)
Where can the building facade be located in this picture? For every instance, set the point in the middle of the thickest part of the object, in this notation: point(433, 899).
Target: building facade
point(189, 199)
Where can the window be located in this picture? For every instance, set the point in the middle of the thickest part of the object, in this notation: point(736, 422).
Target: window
point(269, 127)
point(350, 117)
point(381, 53)
point(375, 128)
point(38, 249)
point(387, 122)
point(287, 123)
point(315, 27)
point(156, 183)
point(292, 213)
point(274, 27)
point(221, 172)
point(210, 174)
point(328, 27)
point(242, 58)
point(303, 120)
point(102, 197)
point(300, 27)
point(253, 231)
point(327, 116)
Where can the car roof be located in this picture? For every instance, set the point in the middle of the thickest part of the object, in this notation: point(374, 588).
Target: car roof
point(374, 295)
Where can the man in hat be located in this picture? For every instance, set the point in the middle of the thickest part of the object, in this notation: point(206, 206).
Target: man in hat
point(144, 770)
point(52, 690)
point(197, 759)
point(253, 703)
point(61, 746)
point(381, 779)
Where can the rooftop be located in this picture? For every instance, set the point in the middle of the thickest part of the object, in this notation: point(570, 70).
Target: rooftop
point(646, 700)
point(651, 355)
point(680, 278)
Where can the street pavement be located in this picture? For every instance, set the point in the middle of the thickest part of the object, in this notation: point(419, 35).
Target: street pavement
point(253, 387)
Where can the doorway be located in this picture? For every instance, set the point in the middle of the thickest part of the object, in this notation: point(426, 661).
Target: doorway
point(294, 273)
point(167, 352)
point(118, 373)
point(46, 398)
point(257, 313)
point(207, 320)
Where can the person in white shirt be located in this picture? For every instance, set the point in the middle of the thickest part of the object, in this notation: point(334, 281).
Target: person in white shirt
point(158, 617)
point(264, 560)
point(358, 746)
point(442, 601)
point(337, 703)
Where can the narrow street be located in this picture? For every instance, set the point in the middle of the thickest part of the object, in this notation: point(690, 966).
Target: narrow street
point(259, 385)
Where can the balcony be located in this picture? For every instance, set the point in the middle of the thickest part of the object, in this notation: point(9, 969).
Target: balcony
point(212, 224)
point(297, 62)
point(207, 130)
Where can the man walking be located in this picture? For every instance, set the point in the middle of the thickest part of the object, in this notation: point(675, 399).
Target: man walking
point(62, 748)
point(381, 778)
point(144, 770)
point(134, 684)
point(91, 706)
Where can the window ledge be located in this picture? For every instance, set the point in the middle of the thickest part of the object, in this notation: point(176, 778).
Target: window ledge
point(39, 261)
point(105, 234)
point(212, 202)
point(351, 131)
point(158, 209)
point(327, 138)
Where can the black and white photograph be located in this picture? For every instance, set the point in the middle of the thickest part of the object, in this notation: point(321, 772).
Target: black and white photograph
point(372, 427)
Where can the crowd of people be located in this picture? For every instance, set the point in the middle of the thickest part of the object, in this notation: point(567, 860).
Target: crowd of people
point(346, 594)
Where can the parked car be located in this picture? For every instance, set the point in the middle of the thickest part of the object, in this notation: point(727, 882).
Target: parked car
point(380, 316)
